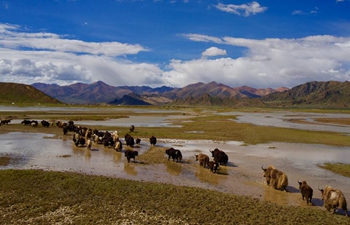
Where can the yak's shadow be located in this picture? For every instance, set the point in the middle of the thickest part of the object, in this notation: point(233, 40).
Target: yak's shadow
point(317, 202)
point(291, 189)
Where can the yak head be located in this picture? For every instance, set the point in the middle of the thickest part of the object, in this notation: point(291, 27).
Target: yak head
point(196, 157)
point(301, 184)
point(214, 151)
point(267, 174)
point(169, 151)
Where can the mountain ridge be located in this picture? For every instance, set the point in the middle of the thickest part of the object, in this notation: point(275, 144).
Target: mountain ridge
point(100, 92)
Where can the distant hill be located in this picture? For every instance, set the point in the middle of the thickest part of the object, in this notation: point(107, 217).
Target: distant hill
point(217, 89)
point(312, 94)
point(209, 100)
point(131, 99)
point(100, 92)
point(22, 93)
point(95, 93)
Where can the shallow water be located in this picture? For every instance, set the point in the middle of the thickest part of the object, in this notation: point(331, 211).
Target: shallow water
point(280, 119)
point(137, 121)
point(242, 176)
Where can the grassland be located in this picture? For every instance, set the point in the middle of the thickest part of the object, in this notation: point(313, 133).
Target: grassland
point(211, 126)
point(339, 168)
point(42, 197)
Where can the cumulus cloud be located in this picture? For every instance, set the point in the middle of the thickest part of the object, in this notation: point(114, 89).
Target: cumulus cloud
point(213, 51)
point(46, 57)
point(273, 62)
point(243, 9)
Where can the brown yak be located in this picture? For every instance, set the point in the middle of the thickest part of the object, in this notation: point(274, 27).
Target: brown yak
point(213, 167)
point(306, 191)
point(203, 160)
point(275, 178)
point(333, 199)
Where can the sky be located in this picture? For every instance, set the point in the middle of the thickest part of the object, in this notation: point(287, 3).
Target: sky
point(260, 44)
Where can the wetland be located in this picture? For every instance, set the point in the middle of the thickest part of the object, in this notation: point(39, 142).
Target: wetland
point(298, 151)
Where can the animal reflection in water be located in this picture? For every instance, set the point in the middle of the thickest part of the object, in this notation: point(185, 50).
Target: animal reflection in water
point(206, 176)
point(117, 157)
point(87, 154)
point(279, 197)
point(130, 169)
point(173, 168)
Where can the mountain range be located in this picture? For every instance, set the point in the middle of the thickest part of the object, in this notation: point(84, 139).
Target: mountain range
point(330, 94)
point(100, 92)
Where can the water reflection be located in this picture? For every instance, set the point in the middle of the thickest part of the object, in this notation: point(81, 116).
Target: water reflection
point(87, 155)
point(117, 157)
point(204, 175)
point(130, 169)
point(173, 168)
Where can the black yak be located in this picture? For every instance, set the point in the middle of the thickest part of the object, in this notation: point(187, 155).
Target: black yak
point(129, 154)
point(153, 140)
point(219, 156)
point(306, 191)
point(175, 154)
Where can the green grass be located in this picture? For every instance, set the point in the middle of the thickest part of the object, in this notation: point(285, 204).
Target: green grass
point(339, 168)
point(42, 197)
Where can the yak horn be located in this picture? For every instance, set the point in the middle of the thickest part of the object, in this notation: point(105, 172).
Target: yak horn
point(262, 167)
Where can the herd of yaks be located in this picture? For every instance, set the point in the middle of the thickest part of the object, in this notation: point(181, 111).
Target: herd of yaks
point(333, 198)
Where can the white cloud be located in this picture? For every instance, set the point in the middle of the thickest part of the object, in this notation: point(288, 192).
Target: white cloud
point(202, 38)
point(273, 62)
point(11, 38)
point(213, 51)
point(282, 62)
point(243, 9)
point(46, 57)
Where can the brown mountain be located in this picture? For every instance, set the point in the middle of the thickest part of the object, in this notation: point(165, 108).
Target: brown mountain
point(312, 94)
point(207, 99)
point(13, 93)
point(99, 92)
point(199, 89)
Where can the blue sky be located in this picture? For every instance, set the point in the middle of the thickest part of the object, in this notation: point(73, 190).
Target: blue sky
point(175, 43)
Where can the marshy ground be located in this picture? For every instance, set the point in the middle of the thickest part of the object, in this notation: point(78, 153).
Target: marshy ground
point(105, 189)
